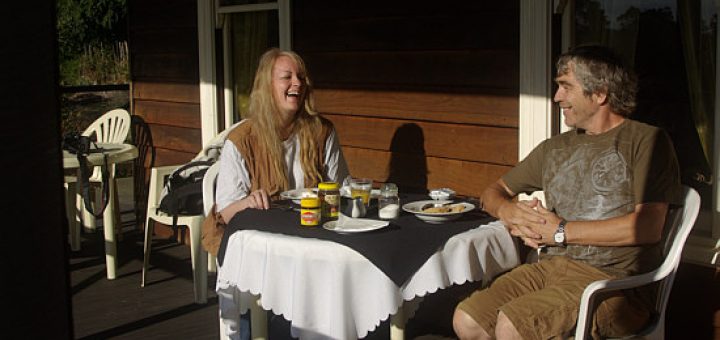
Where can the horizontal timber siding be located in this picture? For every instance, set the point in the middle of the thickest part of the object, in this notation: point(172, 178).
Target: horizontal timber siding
point(165, 75)
point(424, 95)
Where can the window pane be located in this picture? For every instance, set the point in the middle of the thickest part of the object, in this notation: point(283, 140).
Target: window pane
point(672, 46)
point(252, 34)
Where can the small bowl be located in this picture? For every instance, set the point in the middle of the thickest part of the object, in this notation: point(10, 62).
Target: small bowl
point(442, 194)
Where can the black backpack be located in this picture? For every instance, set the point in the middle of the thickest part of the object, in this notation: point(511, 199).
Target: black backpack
point(182, 194)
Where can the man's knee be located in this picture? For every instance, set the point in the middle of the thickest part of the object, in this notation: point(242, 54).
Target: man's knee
point(504, 328)
point(466, 327)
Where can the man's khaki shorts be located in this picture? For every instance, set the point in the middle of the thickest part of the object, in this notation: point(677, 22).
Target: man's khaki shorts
point(542, 301)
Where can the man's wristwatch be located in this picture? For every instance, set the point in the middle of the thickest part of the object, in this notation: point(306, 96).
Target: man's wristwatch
point(560, 233)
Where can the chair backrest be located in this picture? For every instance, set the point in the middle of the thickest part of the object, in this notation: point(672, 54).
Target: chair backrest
point(678, 225)
point(209, 187)
point(213, 147)
point(683, 220)
point(112, 127)
point(141, 137)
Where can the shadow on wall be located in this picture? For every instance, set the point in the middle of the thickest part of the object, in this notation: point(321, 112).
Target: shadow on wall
point(408, 167)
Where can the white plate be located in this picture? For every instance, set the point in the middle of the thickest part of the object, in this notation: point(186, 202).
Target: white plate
point(345, 192)
point(360, 227)
point(296, 194)
point(436, 218)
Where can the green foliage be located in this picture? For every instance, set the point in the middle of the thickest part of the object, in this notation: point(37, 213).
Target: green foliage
point(92, 41)
point(89, 22)
point(92, 46)
point(97, 64)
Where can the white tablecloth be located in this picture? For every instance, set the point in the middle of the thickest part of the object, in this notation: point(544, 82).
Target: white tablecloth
point(328, 290)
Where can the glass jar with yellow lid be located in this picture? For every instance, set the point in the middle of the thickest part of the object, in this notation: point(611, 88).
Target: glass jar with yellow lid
point(309, 211)
point(329, 195)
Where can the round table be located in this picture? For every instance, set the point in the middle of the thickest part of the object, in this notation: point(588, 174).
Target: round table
point(116, 153)
point(330, 291)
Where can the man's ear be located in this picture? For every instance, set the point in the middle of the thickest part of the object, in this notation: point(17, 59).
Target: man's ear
point(600, 98)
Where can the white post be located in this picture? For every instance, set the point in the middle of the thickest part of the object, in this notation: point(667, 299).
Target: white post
point(206, 52)
point(535, 79)
point(535, 116)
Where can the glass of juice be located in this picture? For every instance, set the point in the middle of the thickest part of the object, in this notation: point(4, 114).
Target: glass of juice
point(360, 187)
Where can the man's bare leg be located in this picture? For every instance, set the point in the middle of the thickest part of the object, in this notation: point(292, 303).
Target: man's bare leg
point(505, 330)
point(466, 328)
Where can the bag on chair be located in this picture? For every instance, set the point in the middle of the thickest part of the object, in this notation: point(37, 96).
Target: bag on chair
point(182, 194)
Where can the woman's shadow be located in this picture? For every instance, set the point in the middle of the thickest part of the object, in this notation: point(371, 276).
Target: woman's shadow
point(408, 166)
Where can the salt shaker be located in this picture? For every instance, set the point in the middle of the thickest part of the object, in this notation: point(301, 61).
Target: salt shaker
point(358, 207)
point(389, 202)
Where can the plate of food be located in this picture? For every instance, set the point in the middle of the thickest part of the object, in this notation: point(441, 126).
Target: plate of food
point(438, 211)
point(297, 194)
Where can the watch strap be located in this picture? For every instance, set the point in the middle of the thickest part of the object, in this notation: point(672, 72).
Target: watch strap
point(560, 233)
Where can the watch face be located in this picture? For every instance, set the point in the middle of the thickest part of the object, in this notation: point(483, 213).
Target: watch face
point(559, 238)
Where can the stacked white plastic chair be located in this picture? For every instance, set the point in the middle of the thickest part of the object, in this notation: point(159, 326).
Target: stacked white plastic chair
point(111, 127)
point(680, 222)
point(199, 258)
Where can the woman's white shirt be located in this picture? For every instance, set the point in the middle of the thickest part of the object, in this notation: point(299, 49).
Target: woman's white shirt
point(233, 182)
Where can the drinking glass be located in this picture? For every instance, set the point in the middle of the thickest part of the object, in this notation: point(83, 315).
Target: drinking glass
point(360, 187)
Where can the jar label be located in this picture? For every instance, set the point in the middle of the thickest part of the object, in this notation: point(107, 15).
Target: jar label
point(309, 217)
point(331, 206)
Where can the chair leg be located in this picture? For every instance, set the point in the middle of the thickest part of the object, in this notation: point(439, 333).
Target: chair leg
point(149, 226)
point(212, 263)
point(88, 220)
point(258, 319)
point(118, 218)
point(72, 213)
point(199, 264)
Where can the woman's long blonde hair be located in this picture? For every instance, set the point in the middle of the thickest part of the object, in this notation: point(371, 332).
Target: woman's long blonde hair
point(263, 111)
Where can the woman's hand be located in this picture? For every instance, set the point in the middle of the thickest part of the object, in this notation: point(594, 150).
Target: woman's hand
point(257, 199)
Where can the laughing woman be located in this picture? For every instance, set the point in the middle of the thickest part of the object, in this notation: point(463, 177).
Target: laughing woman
point(284, 144)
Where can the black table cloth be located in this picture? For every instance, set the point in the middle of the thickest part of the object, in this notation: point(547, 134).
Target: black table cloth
point(398, 250)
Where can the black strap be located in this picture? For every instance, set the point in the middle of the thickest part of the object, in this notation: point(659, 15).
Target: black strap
point(85, 182)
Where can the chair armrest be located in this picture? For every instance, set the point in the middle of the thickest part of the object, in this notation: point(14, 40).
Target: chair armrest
point(587, 302)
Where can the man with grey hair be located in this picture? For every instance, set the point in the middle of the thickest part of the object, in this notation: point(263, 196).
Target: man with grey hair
point(608, 184)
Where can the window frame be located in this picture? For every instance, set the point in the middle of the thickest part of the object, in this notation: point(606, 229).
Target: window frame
point(211, 16)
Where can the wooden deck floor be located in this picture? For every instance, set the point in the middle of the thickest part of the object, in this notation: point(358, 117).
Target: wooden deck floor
point(121, 309)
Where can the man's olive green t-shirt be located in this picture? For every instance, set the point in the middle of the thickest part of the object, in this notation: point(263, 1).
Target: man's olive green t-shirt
point(597, 177)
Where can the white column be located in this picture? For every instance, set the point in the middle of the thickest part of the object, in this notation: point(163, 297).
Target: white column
point(206, 53)
point(536, 123)
point(535, 116)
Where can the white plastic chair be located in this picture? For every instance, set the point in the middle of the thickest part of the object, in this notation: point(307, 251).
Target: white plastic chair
point(209, 187)
point(681, 222)
point(199, 257)
point(111, 127)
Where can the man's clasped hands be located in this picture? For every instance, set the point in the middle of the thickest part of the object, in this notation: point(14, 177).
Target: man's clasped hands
point(530, 221)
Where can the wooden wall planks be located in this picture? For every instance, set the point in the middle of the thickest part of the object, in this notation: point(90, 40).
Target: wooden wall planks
point(384, 72)
point(465, 142)
point(421, 95)
point(417, 172)
point(492, 108)
point(164, 73)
